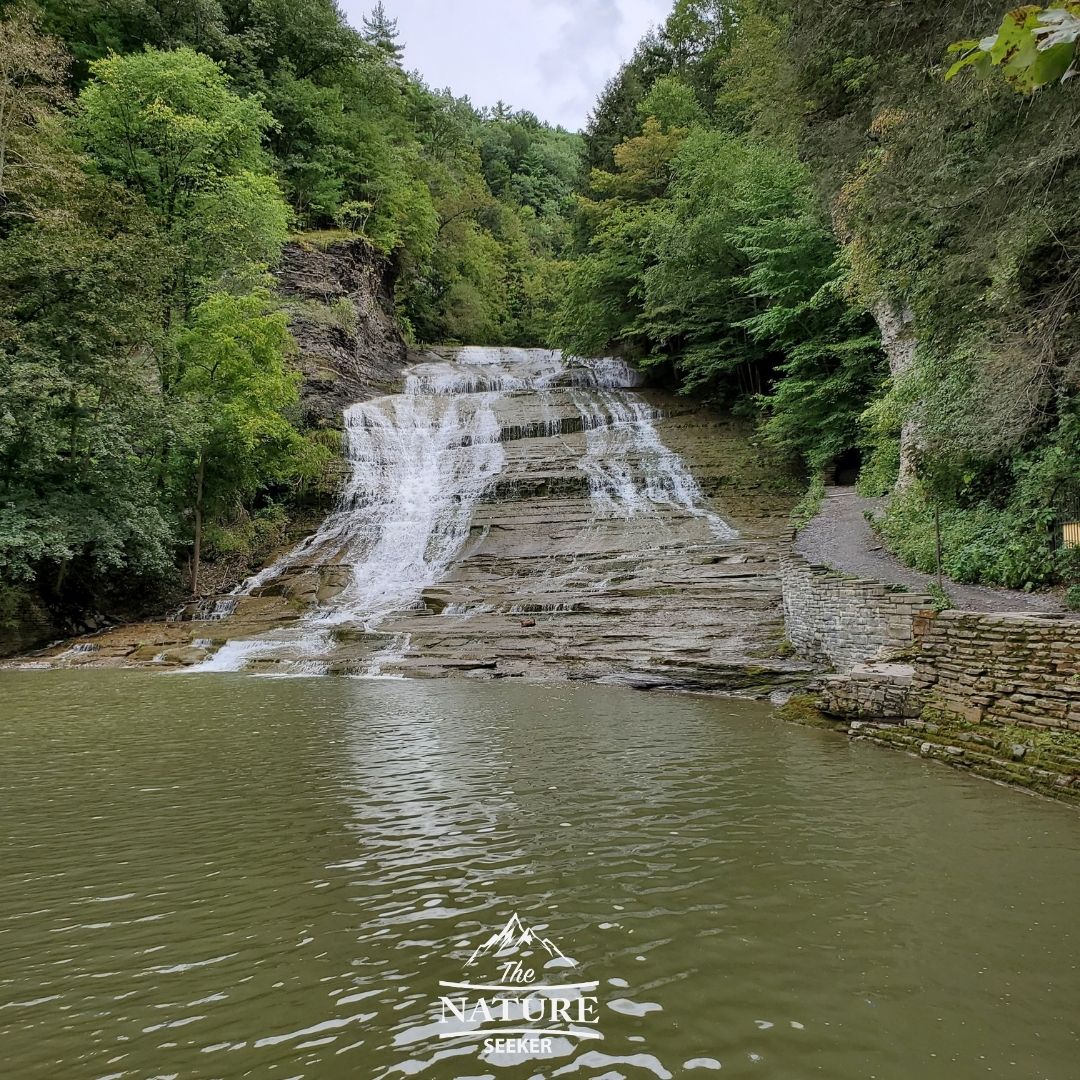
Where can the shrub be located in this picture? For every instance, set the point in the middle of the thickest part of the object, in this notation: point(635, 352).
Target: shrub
point(980, 544)
point(806, 509)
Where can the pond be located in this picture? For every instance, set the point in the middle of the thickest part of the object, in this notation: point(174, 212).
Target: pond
point(226, 876)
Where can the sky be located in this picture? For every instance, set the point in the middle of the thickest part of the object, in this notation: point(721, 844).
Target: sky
point(549, 56)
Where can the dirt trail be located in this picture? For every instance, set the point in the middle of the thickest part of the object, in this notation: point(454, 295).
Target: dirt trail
point(841, 537)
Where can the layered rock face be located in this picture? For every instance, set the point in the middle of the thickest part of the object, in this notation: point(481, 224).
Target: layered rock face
point(340, 301)
point(511, 514)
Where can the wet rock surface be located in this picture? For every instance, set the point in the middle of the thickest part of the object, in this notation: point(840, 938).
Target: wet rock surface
point(515, 515)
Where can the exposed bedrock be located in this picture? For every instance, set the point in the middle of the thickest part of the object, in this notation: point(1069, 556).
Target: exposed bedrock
point(340, 302)
point(515, 514)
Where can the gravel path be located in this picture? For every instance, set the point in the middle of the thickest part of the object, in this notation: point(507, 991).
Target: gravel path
point(841, 537)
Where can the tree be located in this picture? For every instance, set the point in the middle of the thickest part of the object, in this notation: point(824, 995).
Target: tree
point(616, 116)
point(168, 127)
point(382, 32)
point(77, 411)
point(79, 270)
point(673, 103)
point(33, 68)
point(236, 379)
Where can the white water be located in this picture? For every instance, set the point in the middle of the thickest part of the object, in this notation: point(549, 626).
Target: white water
point(630, 470)
point(419, 463)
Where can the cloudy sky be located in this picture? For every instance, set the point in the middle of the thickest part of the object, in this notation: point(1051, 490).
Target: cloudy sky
point(550, 56)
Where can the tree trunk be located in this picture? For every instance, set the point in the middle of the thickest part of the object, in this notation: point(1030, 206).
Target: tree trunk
point(937, 543)
point(196, 555)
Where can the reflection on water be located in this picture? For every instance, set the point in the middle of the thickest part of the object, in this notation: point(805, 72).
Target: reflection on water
point(225, 877)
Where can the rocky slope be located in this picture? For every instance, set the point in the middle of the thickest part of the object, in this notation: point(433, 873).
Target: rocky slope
point(517, 516)
point(340, 299)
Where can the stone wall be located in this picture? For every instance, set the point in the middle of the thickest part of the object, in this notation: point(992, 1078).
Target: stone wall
point(873, 692)
point(845, 621)
point(997, 695)
point(1019, 670)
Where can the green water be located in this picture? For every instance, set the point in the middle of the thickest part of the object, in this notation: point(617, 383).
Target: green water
point(225, 877)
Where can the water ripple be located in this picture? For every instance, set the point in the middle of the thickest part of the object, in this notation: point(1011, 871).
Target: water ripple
point(229, 878)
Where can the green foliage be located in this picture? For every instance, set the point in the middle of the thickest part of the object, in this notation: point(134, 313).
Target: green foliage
point(1034, 47)
point(1072, 598)
point(707, 254)
point(955, 203)
point(167, 124)
point(473, 206)
point(616, 116)
point(942, 600)
point(673, 103)
point(821, 175)
point(232, 362)
point(34, 69)
point(381, 32)
point(138, 358)
point(980, 544)
point(250, 535)
point(808, 507)
point(169, 128)
point(80, 273)
point(502, 204)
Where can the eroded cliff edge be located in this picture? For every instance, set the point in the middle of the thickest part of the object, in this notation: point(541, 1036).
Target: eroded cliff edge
point(340, 300)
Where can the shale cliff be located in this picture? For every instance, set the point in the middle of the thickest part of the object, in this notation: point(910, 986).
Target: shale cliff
point(340, 299)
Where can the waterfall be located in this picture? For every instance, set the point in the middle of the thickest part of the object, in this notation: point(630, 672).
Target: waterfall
point(630, 470)
point(420, 462)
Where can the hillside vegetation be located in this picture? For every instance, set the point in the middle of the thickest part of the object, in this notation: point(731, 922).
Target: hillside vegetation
point(154, 159)
point(793, 212)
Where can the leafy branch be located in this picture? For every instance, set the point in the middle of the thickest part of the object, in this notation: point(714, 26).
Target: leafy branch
point(1034, 47)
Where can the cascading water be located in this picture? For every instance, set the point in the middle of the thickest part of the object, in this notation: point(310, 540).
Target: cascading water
point(420, 461)
point(630, 470)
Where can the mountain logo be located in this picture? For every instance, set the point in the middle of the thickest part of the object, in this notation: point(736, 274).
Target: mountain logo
point(514, 937)
point(511, 1012)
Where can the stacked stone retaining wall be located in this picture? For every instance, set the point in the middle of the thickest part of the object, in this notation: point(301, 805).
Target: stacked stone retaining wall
point(1019, 670)
point(845, 621)
point(995, 694)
